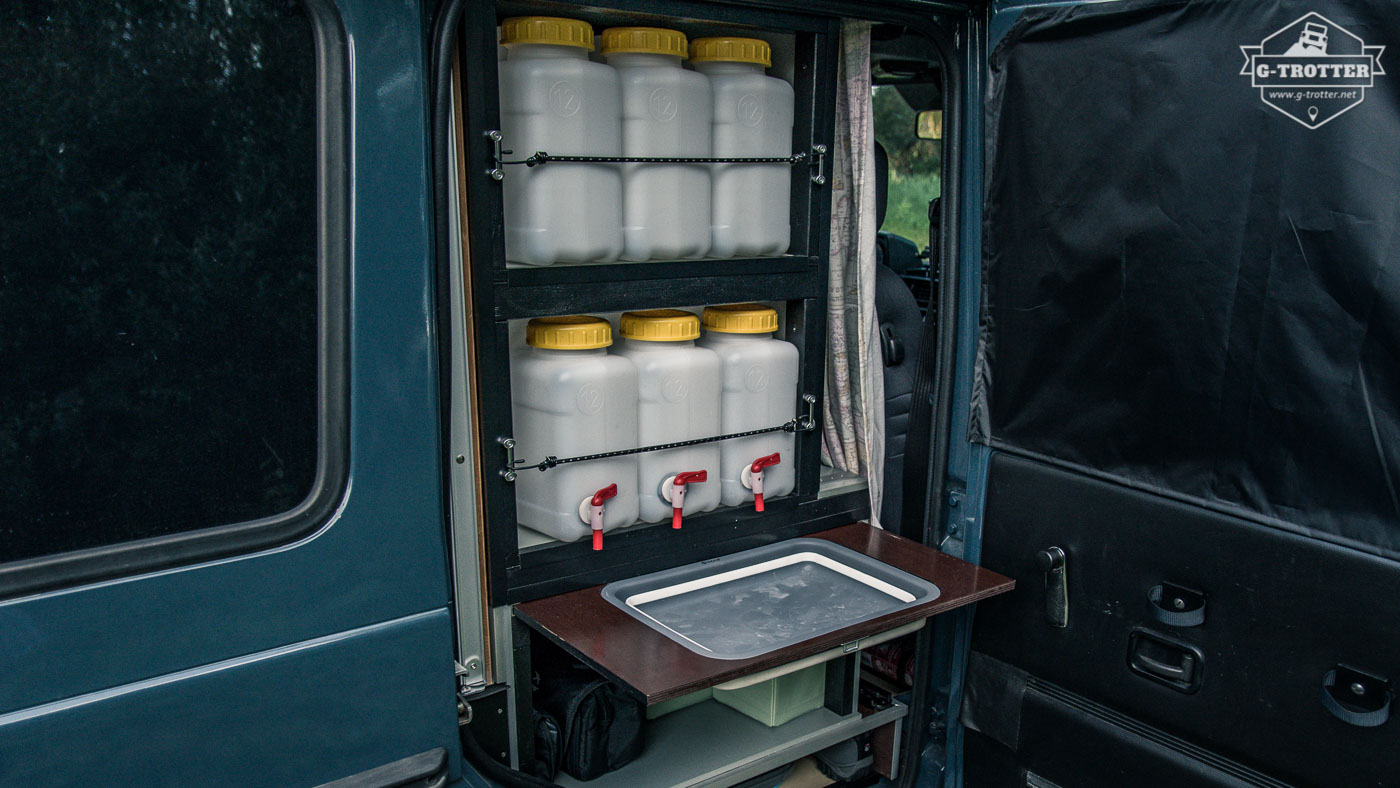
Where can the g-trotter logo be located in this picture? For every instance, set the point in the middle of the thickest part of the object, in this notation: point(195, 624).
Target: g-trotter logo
point(1312, 70)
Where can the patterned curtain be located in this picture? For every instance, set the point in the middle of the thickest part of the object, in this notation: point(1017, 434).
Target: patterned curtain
point(853, 409)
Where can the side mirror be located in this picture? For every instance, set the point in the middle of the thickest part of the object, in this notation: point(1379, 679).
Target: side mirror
point(929, 125)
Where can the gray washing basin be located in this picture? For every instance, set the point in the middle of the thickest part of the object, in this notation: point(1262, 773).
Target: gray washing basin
point(749, 603)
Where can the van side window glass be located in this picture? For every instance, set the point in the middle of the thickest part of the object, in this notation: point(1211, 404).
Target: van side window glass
point(915, 165)
point(158, 269)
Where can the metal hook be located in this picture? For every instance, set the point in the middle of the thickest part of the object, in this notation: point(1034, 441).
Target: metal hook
point(496, 172)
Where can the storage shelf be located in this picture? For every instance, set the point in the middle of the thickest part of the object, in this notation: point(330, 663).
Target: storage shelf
point(571, 289)
point(806, 47)
point(712, 745)
point(655, 668)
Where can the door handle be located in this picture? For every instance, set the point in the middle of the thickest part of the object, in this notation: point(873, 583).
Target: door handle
point(1052, 562)
point(1164, 660)
point(1178, 672)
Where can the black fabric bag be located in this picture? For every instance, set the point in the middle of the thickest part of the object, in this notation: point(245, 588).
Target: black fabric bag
point(599, 727)
point(547, 744)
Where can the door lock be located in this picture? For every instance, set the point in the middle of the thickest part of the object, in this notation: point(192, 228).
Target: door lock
point(1052, 561)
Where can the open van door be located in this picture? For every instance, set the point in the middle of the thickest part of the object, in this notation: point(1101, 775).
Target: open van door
point(1185, 397)
point(222, 556)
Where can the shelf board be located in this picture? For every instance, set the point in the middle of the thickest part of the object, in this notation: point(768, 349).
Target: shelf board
point(612, 287)
point(655, 668)
point(710, 745)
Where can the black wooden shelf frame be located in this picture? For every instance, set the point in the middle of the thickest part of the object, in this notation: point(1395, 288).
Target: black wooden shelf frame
point(500, 293)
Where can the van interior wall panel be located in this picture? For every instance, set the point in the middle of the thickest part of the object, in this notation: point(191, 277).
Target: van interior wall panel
point(1281, 610)
point(1185, 287)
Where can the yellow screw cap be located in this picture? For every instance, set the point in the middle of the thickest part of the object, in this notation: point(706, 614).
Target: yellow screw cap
point(572, 332)
point(741, 319)
point(547, 30)
point(733, 50)
point(644, 40)
point(660, 325)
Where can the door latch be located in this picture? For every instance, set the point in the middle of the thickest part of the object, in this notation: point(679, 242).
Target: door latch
point(1051, 561)
point(1165, 660)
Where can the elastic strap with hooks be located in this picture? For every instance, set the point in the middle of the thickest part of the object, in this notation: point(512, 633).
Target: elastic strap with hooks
point(550, 462)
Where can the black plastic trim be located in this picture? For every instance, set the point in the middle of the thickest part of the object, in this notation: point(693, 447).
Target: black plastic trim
point(1104, 717)
point(49, 572)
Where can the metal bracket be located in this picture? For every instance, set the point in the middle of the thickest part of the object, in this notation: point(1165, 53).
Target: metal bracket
point(508, 473)
point(818, 158)
point(497, 161)
point(470, 674)
point(808, 422)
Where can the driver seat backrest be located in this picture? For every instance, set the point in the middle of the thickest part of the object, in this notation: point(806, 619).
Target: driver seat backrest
point(900, 330)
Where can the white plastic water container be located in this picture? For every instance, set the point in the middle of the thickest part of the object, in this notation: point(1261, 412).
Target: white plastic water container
point(679, 401)
point(570, 398)
point(759, 390)
point(554, 99)
point(666, 111)
point(750, 214)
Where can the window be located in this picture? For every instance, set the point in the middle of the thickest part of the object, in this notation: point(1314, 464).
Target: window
point(915, 164)
point(158, 269)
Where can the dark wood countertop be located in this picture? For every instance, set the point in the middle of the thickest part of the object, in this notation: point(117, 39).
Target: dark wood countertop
point(657, 668)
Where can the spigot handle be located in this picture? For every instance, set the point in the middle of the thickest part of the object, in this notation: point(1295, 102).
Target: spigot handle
point(602, 495)
point(595, 513)
point(765, 462)
point(675, 492)
point(754, 477)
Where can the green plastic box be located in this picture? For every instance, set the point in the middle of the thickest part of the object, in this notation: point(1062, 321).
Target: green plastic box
point(778, 700)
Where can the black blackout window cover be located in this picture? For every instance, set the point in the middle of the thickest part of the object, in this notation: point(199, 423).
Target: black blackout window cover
point(1188, 289)
point(158, 269)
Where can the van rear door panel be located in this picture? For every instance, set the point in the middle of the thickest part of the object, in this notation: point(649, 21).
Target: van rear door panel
point(1280, 612)
point(1188, 380)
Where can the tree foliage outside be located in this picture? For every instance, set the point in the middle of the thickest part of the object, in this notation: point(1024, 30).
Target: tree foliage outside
point(157, 268)
point(916, 166)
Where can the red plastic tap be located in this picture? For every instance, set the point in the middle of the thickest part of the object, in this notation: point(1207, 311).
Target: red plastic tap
point(677, 484)
point(595, 513)
point(756, 477)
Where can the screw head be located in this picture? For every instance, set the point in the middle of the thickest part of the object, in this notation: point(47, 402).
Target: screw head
point(508, 475)
point(1179, 603)
point(1357, 688)
point(461, 458)
point(473, 663)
